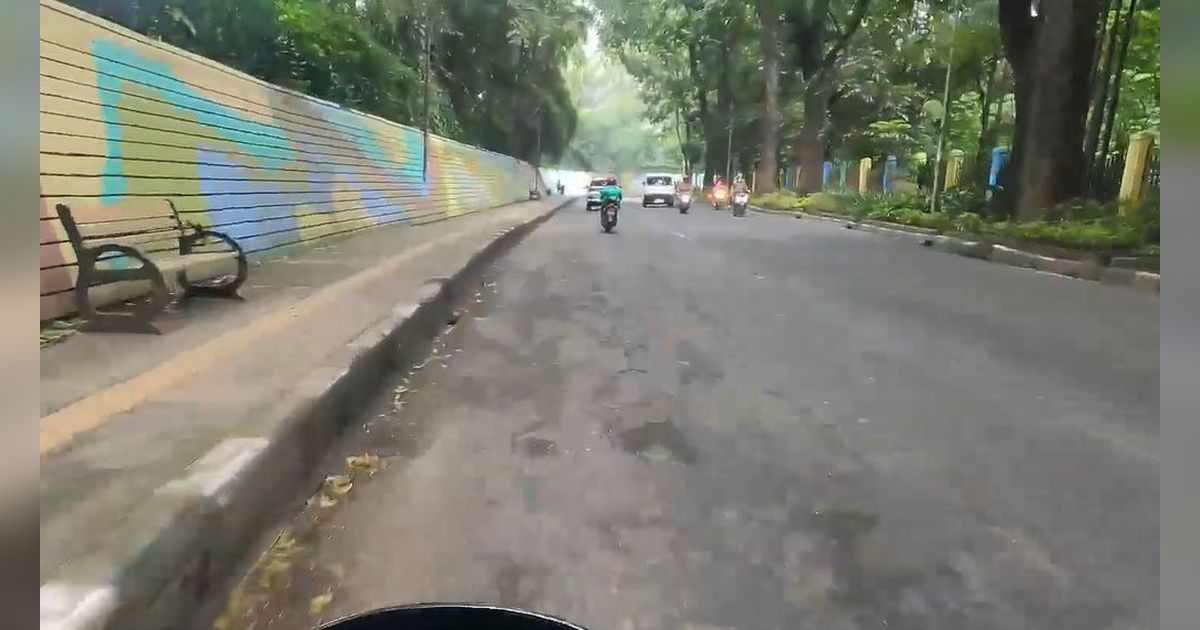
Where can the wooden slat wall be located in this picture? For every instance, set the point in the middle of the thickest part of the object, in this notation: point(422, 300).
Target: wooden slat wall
point(125, 117)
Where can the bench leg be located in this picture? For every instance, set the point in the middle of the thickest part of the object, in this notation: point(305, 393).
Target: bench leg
point(210, 291)
point(135, 319)
point(224, 288)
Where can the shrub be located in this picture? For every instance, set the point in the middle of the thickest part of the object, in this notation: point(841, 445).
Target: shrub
point(781, 200)
point(1093, 235)
point(969, 222)
point(958, 201)
point(832, 202)
point(886, 207)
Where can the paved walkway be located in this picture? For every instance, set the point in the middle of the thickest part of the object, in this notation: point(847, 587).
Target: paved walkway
point(124, 414)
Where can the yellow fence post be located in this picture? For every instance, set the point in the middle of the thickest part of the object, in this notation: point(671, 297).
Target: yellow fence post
point(953, 168)
point(1136, 157)
point(864, 173)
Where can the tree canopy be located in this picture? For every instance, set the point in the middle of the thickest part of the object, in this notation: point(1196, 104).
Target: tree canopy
point(496, 65)
point(804, 81)
point(774, 87)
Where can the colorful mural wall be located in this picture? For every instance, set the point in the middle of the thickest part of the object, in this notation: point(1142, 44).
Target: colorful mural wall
point(125, 117)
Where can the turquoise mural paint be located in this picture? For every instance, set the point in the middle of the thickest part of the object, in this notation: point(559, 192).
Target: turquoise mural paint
point(116, 64)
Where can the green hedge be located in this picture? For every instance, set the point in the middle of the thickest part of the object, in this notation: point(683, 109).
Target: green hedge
point(1085, 225)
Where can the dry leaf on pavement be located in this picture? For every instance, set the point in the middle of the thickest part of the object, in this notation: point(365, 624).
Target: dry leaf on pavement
point(318, 603)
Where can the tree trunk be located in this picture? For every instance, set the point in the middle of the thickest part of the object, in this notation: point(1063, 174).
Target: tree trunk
point(768, 164)
point(1101, 79)
point(702, 105)
point(1052, 100)
point(982, 163)
point(809, 149)
point(1018, 31)
point(718, 136)
point(1115, 97)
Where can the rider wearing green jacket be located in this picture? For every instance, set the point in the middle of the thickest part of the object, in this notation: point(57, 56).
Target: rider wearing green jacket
point(610, 192)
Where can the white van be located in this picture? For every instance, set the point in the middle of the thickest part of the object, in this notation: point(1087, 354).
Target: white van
point(658, 188)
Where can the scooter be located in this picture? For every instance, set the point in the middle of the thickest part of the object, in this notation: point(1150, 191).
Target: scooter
point(740, 200)
point(608, 217)
point(685, 202)
point(720, 197)
point(449, 617)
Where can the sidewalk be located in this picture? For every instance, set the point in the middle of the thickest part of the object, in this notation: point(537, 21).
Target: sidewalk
point(163, 455)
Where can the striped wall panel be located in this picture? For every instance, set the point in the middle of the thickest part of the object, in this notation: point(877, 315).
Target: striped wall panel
point(124, 116)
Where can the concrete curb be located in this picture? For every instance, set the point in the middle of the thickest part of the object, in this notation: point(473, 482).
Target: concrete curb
point(1078, 269)
point(188, 540)
point(983, 250)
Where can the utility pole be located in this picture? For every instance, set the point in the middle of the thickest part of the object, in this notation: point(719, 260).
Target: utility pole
point(425, 131)
point(938, 180)
point(729, 145)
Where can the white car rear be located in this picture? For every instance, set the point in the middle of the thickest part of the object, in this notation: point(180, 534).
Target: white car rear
point(593, 198)
point(658, 188)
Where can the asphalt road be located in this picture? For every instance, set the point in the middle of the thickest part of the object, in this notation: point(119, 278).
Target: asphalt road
point(707, 422)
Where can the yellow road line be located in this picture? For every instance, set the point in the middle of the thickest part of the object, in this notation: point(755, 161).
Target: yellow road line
point(94, 410)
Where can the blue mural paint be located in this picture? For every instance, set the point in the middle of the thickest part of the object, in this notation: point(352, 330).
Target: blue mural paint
point(244, 201)
point(409, 172)
point(116, 64)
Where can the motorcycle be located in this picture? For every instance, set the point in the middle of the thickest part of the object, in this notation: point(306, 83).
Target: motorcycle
point(740, 200)
point(608, 217)
point(449, 617)
point(685, 202)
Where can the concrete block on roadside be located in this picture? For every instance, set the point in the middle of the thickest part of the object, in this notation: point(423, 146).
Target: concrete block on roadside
point(1018, 258)
point(1060, 266)
point(1118, 276)
point(970, 249)
point(1147, 281)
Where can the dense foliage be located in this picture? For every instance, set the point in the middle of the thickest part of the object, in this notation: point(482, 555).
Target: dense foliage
point(496, 65)
point(803, 81)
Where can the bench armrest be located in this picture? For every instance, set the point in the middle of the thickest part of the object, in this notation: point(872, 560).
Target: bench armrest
point(200, 234)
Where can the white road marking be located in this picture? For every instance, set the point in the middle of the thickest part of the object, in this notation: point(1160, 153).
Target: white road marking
point(682, 236)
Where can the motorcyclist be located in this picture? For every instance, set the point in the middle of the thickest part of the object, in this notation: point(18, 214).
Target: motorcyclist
point(684, 186)
point(739, 184)
point(719, 193)
point(610, 192)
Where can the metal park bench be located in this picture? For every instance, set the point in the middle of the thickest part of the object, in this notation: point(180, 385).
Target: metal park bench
point(147, 240)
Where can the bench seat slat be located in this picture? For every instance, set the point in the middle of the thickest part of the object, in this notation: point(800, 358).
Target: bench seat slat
point(90, 211)
point(171, 264)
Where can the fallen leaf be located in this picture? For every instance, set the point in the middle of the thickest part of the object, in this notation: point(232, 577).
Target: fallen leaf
point(368, 463)
point(337, 485)
point(318, 603)
point(274, 569)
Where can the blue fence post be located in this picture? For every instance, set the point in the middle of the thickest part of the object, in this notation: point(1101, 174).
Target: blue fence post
point(889, 174)
point(826, 175)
